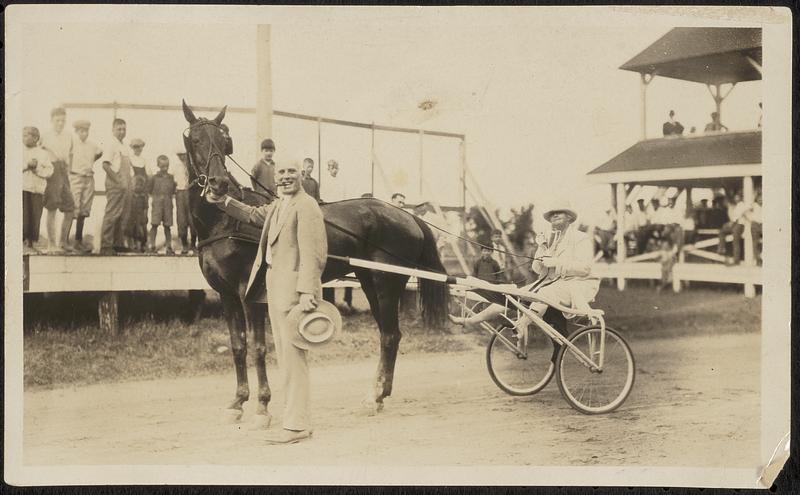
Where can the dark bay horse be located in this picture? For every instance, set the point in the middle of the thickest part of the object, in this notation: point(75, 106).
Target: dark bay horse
point(360, 228)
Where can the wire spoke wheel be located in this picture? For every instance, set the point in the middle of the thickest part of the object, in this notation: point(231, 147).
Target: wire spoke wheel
point(596, 392)
point(520, 364)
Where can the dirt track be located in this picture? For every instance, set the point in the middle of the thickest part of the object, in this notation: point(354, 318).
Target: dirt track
point(695, 402)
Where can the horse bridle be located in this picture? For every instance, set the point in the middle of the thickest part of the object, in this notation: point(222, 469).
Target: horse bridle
point(201, 179)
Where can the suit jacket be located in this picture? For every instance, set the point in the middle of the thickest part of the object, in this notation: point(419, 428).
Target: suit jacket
point(298, 247)
point(574, 253)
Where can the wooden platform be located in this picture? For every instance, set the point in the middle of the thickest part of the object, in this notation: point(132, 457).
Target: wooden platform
point(139, 272)
point(94, 273)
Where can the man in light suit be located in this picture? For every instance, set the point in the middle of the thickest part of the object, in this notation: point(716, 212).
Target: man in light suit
point(564, 264)
point(291, 257)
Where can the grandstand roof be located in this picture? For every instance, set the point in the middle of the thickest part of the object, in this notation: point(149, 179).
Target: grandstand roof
point(710, 55)
point(709, 156)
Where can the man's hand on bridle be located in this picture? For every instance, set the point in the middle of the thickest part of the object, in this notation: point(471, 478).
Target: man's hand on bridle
point(213, 198)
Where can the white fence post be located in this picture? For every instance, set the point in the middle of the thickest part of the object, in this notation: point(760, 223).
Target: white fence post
point(620, 227)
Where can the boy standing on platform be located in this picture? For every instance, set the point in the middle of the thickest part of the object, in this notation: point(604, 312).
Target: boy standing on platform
point(263, 173)
point(36, 168)
point(81, 178)
point(161, 187)
point(137, 223)
point(183, 216)
point(57, 195)
point(310, 184)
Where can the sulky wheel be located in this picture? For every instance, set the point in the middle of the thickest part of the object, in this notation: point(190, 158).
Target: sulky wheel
point(596, 391)
point(520, 368)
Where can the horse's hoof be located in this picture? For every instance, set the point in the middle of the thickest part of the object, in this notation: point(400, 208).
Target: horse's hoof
point(232, 416)
point(371, 407)
point(261, 421)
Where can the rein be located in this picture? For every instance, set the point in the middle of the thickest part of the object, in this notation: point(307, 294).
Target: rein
point(201, 180)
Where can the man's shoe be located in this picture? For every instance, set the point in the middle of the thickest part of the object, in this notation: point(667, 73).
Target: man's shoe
point(284, 436)
point(169, 252)
point(107, 251)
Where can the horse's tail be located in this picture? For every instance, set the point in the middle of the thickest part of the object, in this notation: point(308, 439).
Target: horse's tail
point(433, 296)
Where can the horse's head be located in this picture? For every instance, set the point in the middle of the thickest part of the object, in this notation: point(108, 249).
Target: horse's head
point(206, 143)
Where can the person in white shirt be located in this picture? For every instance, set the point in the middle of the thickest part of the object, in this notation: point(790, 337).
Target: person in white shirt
point(604, 234)
point(642, 220)
point(81, 178)
point(117, 166)
point(499, 251)
point(333, 186)
point(36, 168)
point(735, 227)
point(58, 196)
point(673, 217)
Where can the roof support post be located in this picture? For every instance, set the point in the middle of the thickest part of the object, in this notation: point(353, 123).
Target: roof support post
point(748, 197)
point(319, 152)
point(620, 189)
point(462, 157)
point(264, 78)
point(371, 161)
point(646, 79)
point(421, 164)
point(755, 64)
point(719, 98)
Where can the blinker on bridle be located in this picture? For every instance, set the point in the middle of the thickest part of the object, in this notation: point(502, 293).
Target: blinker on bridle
point(213, 152)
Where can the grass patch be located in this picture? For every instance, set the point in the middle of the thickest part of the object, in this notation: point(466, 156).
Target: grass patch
point(640, 312)
point(63, 346)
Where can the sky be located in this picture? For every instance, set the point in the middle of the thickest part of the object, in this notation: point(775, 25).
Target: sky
point(537, 92)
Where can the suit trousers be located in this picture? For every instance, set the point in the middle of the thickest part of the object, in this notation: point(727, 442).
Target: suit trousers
point(292, 361)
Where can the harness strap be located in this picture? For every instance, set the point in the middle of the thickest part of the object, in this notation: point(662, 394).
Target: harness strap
point(212, 240)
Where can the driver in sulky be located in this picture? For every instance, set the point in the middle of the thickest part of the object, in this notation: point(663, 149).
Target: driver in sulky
point(563, 262)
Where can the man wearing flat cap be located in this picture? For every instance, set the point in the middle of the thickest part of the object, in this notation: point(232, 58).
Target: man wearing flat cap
point(263, 173)
point(81, 178)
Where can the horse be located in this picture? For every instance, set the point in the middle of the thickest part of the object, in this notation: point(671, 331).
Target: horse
point(360, 228)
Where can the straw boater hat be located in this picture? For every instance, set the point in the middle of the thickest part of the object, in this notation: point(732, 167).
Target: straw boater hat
point(81, 124)
point(315, 327)
point(560, 205)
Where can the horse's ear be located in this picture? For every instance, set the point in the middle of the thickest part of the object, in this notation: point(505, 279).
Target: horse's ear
point(188, 114)
point(221, 115)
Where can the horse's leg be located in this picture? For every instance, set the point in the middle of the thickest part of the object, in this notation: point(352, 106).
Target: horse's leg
point(255, 315)
point(390, 288)
point(383, 293)
point(234, 315)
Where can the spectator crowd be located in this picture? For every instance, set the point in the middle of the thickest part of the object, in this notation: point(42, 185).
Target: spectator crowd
point(672, 128)
point(662, 225)
point(59, 175)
